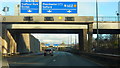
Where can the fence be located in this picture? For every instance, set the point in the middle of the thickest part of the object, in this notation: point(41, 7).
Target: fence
point(107, 18)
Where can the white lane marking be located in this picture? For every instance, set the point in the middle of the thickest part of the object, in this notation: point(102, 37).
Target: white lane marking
point(54, 60)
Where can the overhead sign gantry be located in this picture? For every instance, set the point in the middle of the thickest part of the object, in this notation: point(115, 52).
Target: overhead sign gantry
point(59, 7)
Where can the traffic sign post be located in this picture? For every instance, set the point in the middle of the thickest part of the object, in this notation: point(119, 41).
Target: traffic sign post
point(47, 44)
point(56, 44)
point(59, 7)
point(6, 9)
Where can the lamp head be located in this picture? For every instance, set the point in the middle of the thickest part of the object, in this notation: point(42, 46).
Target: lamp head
point(118, 14)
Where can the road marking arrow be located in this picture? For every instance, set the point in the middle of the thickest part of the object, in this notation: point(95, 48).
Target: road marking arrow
point(69, 11)
point(49, 11)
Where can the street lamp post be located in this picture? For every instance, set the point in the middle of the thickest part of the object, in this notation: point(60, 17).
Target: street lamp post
point(71, 39)
point(97, 23)
point(118, 26)
point(118, 15)
point(18, 9)
point(75, 42)
point(68, 40)
point(6, 9)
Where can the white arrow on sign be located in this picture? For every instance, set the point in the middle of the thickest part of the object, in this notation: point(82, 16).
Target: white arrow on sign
point(29, 11)
point(69, 11)
point(49, 11)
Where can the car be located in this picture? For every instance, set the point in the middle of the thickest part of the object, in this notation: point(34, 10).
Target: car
point(48, 51)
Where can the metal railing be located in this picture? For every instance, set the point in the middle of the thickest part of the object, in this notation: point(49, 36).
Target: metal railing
point(107, 18)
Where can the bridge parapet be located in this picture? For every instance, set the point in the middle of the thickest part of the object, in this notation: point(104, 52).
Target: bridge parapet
point(48, 19)
point(107, 22)
point(107, 18)
point(72, 19)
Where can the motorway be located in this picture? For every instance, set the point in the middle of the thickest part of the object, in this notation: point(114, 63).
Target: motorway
point(59, 59)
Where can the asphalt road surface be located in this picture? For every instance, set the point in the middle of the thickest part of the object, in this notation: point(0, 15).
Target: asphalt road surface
point(59, 59)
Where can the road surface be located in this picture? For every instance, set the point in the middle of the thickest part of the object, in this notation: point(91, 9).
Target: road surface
point(59, 59)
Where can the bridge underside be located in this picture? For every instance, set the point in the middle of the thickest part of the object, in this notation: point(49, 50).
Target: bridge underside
point(83, 46)
point(107, 31)
point(16, 30)
point(83, 42)
point(65, 31)
point(56, 31)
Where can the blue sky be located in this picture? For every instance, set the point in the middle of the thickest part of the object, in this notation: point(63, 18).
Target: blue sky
point(85, 8)
point(108, 8)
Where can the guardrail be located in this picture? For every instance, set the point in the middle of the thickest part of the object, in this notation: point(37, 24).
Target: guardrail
point(105, 59)
point(102, 58)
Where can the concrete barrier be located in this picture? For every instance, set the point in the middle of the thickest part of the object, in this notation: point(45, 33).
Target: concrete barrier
point(5, 63)
point(105, 59)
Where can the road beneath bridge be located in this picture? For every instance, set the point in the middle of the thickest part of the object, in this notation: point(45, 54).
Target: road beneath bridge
point(59, 59)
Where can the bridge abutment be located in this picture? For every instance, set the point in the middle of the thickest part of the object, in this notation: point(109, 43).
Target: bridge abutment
point(27, 43)
point(83, 40)
point(90, 36)
point(9, 45)
point(14, 42)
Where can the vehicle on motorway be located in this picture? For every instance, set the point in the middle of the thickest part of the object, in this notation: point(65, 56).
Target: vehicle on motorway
point(48, 51)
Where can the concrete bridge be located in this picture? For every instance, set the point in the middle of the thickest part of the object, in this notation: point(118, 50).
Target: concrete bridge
point(17, 26)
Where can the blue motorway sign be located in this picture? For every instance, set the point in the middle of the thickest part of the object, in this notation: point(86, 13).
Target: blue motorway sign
point(59, 7)
point(29, 6)
point(47, 44)
point(56, 44)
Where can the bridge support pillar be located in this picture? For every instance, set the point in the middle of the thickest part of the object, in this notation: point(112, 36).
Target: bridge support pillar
point(8, 42)
point(83, 40)
point(90, 36)
point(4, 39)
point(23, 43)
point(27, 43)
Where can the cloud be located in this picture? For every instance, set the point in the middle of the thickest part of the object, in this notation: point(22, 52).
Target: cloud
point(52, 41)
point(47, 40)
point(55, 38)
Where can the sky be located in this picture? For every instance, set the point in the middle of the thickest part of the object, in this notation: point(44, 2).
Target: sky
point(85, 8)
point(57, 38)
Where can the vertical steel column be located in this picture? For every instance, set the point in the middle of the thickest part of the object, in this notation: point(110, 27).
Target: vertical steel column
point(118, 28)
point(97, 23)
